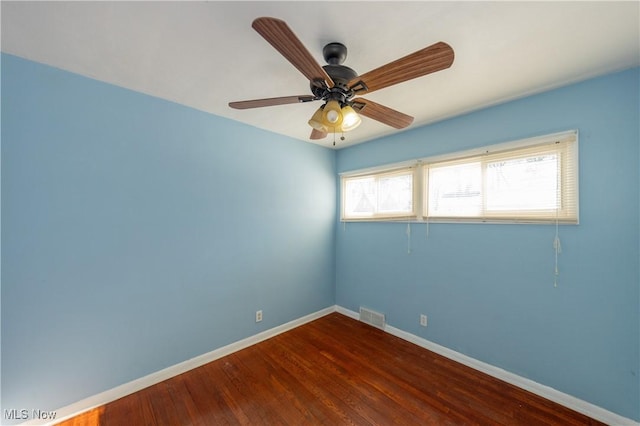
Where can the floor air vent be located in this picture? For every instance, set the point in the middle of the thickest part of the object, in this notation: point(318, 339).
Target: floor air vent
point(373, 318)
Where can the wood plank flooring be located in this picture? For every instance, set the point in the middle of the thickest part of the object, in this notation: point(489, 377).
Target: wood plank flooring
point(332, 371)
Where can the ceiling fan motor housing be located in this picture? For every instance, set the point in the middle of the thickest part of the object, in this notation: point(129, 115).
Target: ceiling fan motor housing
point(335, 54)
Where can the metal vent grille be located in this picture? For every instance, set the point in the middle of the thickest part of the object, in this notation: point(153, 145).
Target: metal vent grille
point(373, 318)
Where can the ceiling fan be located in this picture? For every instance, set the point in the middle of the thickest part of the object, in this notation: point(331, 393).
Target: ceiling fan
point(340, 86)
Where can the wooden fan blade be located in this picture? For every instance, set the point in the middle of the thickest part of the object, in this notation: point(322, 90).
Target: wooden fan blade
point(434, 58)
point(258, 103)
point(317, 134)
point(381, 113)
point(280, 36)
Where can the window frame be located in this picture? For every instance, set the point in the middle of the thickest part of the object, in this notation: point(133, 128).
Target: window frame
point(568, 140)
point(379, 174)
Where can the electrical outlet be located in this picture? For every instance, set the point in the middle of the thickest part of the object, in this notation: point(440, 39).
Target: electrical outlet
point(258, 316)
point(423, 320)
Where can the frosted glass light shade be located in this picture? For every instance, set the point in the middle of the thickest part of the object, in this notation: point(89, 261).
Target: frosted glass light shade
point(332, 116)
point(316, 121)
point(350, 118)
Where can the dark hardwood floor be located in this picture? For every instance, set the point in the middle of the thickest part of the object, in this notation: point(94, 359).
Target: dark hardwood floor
point(332, 371)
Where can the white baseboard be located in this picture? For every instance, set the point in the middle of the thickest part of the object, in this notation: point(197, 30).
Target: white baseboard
point(551, 394)
point(118, 392)
point(547, 392)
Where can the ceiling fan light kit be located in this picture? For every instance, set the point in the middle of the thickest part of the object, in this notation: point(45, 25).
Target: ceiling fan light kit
point(338, 85)
point(332, 118)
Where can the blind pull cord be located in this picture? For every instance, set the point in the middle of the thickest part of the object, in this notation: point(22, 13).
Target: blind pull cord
point(408, 237)
point(427, 226)
point(557, 246)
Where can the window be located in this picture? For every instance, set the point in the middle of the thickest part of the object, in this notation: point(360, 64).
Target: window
point(386, 195)
point(534, 180)
point(454, 189)
point(534, 183)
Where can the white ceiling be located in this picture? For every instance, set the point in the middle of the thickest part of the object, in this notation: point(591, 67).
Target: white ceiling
point(205, 54)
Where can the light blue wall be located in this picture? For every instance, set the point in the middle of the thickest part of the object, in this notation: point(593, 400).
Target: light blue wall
point(488, 289)
point(138, 233)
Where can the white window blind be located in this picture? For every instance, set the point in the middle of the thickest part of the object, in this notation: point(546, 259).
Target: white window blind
point(529, 181)
point(534, 183)
point(382, 195)
point(455, 188)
